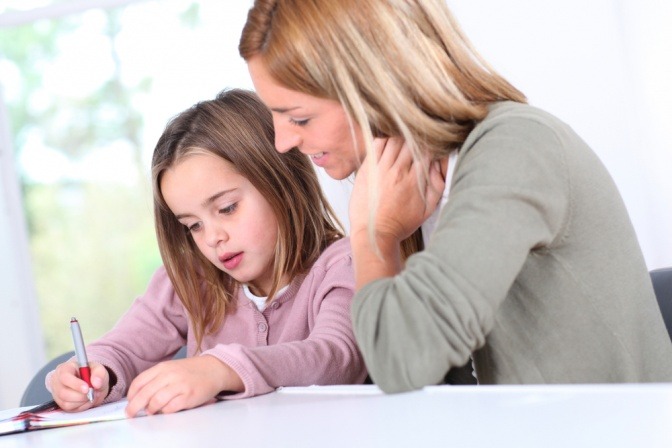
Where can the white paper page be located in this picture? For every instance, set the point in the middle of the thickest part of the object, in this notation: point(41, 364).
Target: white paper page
point(346, 389)
point(106, 412)
point(8, 413)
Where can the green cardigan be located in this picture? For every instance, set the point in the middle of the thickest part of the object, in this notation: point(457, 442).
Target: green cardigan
point(534, 270)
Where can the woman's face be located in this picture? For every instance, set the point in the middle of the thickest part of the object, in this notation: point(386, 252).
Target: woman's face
point(318, 127)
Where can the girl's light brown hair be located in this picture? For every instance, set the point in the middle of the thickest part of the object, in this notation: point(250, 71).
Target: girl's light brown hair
point(237, 127)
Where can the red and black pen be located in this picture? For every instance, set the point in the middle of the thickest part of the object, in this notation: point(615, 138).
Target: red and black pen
point(80, 353)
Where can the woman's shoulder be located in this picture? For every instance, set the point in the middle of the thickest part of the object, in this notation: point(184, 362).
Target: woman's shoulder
point(509, 120)
point(510, 109)
point(507, 114)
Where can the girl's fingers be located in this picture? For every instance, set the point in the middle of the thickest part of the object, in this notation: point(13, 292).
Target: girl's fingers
point(148, 392)
point(141, 381)
point(66, 376)
point(156, 397)
point(165, 401)
point(138, 402)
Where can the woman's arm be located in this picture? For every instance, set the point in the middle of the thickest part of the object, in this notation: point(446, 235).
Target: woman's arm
point(402, 206)
point(509, 196)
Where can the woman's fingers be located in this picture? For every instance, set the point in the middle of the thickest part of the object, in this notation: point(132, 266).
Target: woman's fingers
point(392, 153)
point(435, 187)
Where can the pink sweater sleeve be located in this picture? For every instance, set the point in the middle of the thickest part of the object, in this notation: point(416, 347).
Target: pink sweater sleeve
point(310, 338)
point(151, 330)
point(326, 353)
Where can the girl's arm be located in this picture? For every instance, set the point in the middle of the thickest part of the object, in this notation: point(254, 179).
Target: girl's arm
point(175, 385)
point(317, 345)
point(151, 331)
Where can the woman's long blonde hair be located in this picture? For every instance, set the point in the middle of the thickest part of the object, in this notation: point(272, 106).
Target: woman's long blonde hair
point(237, 127)
point(399, 67)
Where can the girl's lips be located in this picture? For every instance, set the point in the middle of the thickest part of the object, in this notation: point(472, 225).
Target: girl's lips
point(231, 261)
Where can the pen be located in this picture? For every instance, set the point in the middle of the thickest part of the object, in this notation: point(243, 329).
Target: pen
point(80, 353)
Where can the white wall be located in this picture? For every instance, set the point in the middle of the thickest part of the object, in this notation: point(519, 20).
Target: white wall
point(21, 347)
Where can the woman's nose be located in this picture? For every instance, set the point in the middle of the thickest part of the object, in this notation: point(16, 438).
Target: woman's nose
point(286, 138)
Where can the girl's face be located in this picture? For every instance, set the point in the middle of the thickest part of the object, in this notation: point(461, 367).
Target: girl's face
point(317, 126)
point(230, 221)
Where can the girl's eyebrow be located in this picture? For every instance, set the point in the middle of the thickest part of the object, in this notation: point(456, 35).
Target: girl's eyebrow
point(208, 202)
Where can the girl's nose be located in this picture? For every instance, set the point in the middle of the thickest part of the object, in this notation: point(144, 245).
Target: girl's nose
point(286, 137)
point(216, 235)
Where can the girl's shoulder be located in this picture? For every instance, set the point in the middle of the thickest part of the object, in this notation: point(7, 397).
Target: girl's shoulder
point(332, 269)
point(337, 256)
point(337, 253)
point(160, 283)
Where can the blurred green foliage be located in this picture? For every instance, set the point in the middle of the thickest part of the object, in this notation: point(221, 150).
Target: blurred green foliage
point(93, 250)
point(93, 244)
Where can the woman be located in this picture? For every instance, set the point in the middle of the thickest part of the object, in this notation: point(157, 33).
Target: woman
point(531, 267)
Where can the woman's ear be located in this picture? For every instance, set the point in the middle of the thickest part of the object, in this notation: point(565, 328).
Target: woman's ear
point(377, 133)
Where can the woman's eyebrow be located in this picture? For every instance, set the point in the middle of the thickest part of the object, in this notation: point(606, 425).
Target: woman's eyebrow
point(284, 110)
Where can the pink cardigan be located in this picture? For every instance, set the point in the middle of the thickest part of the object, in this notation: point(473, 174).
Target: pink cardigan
point(303, 337)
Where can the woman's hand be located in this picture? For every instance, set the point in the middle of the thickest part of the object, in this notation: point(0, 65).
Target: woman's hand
point(69, 390)
point(405, 201)
point(179, 384)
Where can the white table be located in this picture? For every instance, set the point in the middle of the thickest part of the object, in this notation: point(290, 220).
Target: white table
point(359, 416)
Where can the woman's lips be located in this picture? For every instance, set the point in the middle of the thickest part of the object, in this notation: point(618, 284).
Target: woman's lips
point(319, 159)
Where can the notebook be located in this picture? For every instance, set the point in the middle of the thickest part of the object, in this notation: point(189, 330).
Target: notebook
point(48, 415)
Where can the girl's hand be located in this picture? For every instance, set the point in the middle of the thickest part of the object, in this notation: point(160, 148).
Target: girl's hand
point(69, 390)
point(403, 204)
point(179, 384)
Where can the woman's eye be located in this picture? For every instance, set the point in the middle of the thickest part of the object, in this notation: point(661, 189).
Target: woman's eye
point(299, 122)
point(230, 209)
point(194, 227)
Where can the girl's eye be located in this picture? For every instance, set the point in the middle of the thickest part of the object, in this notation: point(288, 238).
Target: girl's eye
point(298, 122)
point(230, 209)
point(194, 227)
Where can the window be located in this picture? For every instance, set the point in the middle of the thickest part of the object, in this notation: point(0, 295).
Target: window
point(88, 94)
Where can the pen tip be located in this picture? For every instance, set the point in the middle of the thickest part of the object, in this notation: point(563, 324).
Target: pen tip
point(73, 319)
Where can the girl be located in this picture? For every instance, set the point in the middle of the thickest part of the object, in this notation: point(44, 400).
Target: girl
point(257, 278)
point(531, 268)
